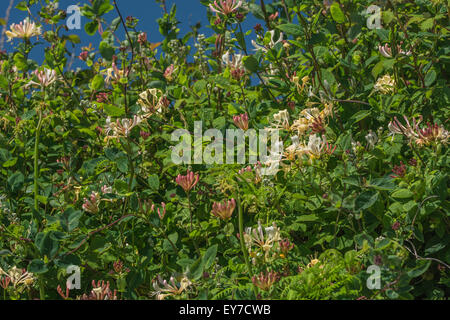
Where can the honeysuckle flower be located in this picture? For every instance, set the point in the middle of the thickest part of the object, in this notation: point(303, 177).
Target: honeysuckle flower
point(315, 146)
point(224, 210)
point(400, 170)
point(63, 295)
point(266, 241)
point(387, 52)
point(318, 146)
point(265, 281)
point(169, 288)
point(188, 181)
point(313, 262)
point(234, 62)
point(396, 127)
point(281, 120)
point(120, 128)
point(151, 102)
point(296, 80)
point(100, 291)
point(300, 125)
point(106, 189)
point(83, 55)
point(272, 42)
point(113, 73)
point(18, 277)
point(4, 282)
point(162, 213)
point(142, 38)
point(91, 205)
point(296, 150)
point(241, 121)
point(372, 139)
point(273, 16)
point(385, 84)
point(45, 78)
point(285, 246)
point(23, 30)
point(225, 7)
point(168, 74)
point(432, 133)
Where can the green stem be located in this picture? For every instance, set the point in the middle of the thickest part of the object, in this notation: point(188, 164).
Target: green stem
point(36, 188)
point(36, 160)
point(241, 238)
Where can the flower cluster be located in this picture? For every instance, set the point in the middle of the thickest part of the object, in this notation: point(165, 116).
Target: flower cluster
point(24, 30)
point(121, 128)
point(188, 181)
point(100, 291)
point(385, 84)
point(164, 288)
point(152, 101)
point(223, 210)
point(433, 133)
point(264, 240)
point(17, 277)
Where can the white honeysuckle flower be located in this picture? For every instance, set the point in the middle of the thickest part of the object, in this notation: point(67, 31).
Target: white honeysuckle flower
point(316, 145)
point(385, 84)
point(45, 77)
point(121, 128)
point(372, 139)
point(23, 30)
point(272, 42)
point(281, 120)
point(151, 101)
point(233, 62)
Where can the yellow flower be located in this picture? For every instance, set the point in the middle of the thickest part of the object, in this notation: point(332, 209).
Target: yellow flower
point(385, 84)
point(19, 276)
point(151, 101)
point(23, 30)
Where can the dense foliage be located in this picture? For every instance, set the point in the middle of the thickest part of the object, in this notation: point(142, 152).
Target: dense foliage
point(87, 177)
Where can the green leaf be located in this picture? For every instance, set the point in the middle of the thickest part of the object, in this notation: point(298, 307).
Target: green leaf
point(97, 82)
point(91, 27)
point(20, 62)
point(292, 29)
point(153, 182)
point(422, 267)
point(307, 218)
point(377, 69)
point(46, 244)
point(106, 50)
point(113, 111)
point(337, 13)
point(3, 82)
point(430, 78)
point(402, 194)
point(37, 266)
point(70, 219)
point(16, 181)
point(209, 256)
point(22, 6)
point(74, 38)
point(251, 64)
point(121, 187)
point(360, 115)
point(366, 200)
point(386, 183)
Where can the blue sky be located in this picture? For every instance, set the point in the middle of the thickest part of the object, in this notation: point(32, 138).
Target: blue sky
point(189, 12)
